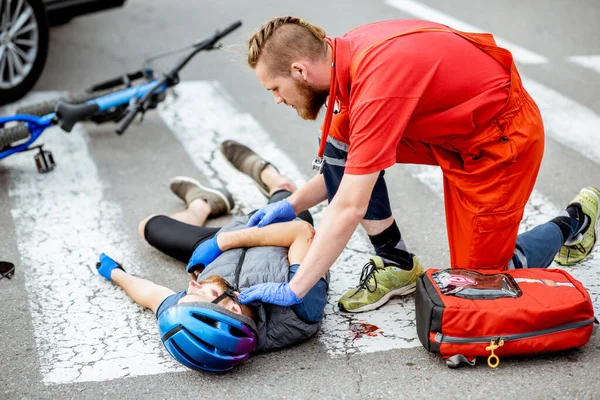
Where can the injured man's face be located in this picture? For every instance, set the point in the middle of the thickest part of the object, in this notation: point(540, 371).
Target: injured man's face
point(211, 288)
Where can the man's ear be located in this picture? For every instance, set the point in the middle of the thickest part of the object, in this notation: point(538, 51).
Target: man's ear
point(299, 71)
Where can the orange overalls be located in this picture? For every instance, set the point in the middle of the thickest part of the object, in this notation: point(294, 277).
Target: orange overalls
point(489, 174)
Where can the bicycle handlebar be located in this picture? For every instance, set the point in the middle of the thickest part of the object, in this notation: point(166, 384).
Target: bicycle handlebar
point(170, 77)
point(127, 120)
point(219, 35)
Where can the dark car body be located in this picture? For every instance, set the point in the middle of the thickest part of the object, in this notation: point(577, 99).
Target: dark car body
point(24, 38)
point(60, 11)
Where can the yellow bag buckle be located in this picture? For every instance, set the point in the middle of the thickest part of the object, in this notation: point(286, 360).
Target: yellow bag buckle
point(493, 360)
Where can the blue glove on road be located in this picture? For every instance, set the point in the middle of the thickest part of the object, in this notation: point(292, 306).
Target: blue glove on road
point(275, 293)
point(204, 254)
point(280, 211)
point(106, 265)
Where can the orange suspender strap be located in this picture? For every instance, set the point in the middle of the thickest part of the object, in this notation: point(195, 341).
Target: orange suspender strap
point(484, 41)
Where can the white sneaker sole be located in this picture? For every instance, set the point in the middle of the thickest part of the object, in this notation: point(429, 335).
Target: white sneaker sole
point(408, 289)
point(577, 239)
point(205, 188)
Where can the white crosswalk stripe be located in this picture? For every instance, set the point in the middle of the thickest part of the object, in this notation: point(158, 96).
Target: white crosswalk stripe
point(422, 11)
point(538, 210)
point(567, 121)
point(200, 128)
point(591, 62)
point(77, 316)
point(74, 325)
point(85, 327)
point(201, 117)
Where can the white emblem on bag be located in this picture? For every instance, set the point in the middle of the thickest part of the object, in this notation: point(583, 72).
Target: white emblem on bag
point(459, 280)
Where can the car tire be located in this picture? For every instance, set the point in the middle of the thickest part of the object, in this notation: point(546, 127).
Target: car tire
point(32, 42)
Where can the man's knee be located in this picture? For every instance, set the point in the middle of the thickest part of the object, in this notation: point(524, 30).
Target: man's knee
point(142, 226)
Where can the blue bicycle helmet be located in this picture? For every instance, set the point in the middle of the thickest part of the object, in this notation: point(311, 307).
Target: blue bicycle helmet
point(204, 336)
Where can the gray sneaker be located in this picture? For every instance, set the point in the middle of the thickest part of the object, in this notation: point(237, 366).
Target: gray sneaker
point(189, 189)
point(246, 161)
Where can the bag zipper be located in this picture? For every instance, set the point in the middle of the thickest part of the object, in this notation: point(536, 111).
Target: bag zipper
point(498, 341)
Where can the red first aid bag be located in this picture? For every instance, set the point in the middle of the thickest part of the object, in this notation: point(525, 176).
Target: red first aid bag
point(464, 314)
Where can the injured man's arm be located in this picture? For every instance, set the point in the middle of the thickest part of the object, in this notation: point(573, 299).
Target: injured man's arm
point(295, 235)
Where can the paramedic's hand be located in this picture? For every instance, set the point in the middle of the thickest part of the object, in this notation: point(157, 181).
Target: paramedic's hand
point(275, 293)
point(106, 265)
point(280, 211)
point(203, 255)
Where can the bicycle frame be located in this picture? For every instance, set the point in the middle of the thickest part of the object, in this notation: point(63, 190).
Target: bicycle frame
point(37, 125)
point(137, 98)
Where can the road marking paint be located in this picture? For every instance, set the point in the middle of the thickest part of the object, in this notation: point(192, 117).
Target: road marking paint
point(201, 116)
point(566, 121)
point(77, 316)
point(423, 11)
point(86, 329)
point(539, 210)
point(590, 62)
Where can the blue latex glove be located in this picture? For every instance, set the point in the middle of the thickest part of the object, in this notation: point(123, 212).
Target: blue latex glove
point(204, 254)
point(275, 293)
point(280, 211)
point(106, 265)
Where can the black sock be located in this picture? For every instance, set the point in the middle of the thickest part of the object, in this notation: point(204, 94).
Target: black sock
point(571, 223)
point(389, 246)
point(564, 224)
point(387, 239)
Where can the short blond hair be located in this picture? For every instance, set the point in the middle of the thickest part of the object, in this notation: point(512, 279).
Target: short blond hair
point(284, 40)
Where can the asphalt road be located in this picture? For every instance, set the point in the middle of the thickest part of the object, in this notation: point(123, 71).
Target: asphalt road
point(51, 225)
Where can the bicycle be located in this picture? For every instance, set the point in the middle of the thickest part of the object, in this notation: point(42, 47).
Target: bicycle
point(116, 100)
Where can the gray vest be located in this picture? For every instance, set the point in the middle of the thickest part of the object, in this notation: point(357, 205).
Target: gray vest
point(278, 326)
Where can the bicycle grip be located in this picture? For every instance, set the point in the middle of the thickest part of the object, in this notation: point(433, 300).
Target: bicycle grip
point(13, 134)
point(129, 117)
point(228, 30)
point(121, 80)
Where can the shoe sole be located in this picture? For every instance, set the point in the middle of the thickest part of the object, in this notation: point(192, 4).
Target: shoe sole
point(205, 188)
point(408, 289)
point(258, 184)
point(577, 240)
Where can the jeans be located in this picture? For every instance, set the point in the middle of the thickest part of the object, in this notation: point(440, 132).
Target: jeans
point(335, 156)
point(537, 247)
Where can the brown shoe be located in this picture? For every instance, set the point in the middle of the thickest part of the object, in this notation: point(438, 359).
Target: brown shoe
point(247, 161)
point(189, 189)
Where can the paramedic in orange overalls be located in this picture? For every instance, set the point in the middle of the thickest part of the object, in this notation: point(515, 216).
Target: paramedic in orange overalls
point(411, 91)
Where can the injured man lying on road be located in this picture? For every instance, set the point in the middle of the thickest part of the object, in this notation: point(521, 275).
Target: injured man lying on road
point(206, 327)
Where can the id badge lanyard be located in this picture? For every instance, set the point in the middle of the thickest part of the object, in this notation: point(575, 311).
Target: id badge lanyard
point(319, 161)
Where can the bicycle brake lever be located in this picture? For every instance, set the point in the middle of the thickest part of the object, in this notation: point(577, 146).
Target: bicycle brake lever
point(128, 118)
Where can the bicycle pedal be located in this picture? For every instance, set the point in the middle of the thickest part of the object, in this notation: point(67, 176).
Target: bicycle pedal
point(44, 161)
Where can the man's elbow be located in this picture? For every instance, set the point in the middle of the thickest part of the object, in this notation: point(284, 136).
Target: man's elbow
point(305, 230)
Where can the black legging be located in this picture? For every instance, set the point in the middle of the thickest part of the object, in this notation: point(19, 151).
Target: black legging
point(178, 239)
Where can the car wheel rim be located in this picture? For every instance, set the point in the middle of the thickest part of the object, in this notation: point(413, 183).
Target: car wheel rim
point(19, 42)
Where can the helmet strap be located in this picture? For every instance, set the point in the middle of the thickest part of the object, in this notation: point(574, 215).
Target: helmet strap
point(227, 293)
